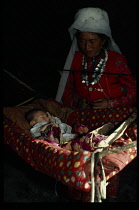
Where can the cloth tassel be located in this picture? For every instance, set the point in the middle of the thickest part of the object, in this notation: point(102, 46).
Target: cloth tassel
point(92, 179)
point(103, 183)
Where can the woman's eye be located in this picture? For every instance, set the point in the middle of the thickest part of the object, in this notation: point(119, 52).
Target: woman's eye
point(92, 42)
point(81, 41)
point(89, 41)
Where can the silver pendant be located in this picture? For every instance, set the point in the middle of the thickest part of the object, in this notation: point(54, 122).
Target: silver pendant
point(101, 90)
point(96, 74)
point(92, 83)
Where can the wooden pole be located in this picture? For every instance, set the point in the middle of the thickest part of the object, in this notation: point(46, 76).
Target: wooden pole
point(117, 149)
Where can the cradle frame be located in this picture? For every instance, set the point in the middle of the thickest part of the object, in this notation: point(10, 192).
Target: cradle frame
point(8, 140)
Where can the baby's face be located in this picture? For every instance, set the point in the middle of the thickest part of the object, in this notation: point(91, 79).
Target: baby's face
point(41, 116)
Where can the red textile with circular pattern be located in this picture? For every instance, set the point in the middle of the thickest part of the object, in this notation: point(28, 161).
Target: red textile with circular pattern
point(69, 166)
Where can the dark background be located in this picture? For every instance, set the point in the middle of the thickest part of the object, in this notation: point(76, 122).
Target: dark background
point(36, 40)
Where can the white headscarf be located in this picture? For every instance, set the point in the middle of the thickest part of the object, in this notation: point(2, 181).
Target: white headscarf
point(86, 20)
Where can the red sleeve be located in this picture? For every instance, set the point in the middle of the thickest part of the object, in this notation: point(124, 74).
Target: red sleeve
point(128, 85)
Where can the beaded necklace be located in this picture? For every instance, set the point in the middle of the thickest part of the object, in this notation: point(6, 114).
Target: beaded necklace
point(96, 74)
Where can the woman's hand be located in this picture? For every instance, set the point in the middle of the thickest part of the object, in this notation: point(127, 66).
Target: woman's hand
point(95, 104)
point(83, 104)
point(99, 104)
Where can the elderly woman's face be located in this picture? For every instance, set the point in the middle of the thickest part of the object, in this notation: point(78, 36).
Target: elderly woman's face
point(90, 43)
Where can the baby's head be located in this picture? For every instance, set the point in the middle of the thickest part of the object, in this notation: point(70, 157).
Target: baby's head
point(35, 116)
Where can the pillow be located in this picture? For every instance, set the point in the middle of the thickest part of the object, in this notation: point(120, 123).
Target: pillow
point(16, 115)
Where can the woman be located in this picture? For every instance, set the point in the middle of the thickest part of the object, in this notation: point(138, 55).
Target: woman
point(100, 77)
point(97, 82)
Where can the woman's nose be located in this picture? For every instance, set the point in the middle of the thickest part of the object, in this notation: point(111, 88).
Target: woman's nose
point(87, 46)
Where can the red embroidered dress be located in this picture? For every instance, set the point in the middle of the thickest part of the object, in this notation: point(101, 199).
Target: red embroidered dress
point(119, 89)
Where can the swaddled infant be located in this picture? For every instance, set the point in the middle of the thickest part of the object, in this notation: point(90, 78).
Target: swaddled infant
point(42, 121)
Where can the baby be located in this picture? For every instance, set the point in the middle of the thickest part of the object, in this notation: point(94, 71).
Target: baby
point(41, 123)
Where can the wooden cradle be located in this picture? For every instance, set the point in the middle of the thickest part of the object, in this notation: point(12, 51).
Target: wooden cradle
point(68, 167)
